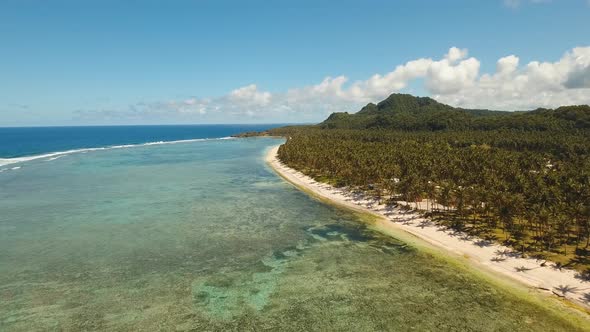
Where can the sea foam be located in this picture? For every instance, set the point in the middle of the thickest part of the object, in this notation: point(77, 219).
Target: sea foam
point(55, 155)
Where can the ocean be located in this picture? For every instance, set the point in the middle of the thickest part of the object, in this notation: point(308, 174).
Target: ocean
point(179, 228)
point(30, 142)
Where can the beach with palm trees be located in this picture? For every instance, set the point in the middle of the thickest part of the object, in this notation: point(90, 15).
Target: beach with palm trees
point(401, 220)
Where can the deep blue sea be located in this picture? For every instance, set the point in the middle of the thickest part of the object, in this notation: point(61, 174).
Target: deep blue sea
point(28, 141)
point(174, 228)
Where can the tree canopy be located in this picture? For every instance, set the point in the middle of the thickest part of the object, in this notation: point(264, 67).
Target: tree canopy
point(406, 112)
point(518, 177)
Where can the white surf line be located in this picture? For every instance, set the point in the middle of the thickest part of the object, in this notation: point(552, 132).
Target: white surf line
point(56, 155)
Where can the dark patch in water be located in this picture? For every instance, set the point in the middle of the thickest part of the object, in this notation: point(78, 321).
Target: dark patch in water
point(335, 232)
point(202, 297)
point(220, 282)
point(393, 248)
point(280, 254)
point(260, 267)
point(360, 234)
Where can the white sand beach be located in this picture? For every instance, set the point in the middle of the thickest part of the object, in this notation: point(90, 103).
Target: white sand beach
point(483, 254)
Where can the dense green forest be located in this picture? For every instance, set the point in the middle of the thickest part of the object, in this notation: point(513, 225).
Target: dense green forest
point(522, 178)
point(409, 113)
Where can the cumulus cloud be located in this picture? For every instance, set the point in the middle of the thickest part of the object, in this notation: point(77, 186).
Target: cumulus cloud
point(536, 84)
point(454, 78)
point(449, 75)
point(579, 79)
point(249, 95)
point(578, 67)
point(507, 65)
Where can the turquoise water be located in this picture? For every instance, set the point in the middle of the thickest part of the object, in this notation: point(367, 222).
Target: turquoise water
point(204, 236)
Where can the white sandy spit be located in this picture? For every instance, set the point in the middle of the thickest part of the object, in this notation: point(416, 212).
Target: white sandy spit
point(490, 256)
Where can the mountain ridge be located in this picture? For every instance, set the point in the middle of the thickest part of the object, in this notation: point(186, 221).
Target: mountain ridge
point(408, 112)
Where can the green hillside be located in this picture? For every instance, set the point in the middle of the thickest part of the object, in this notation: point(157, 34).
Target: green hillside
point(520, 178)
point(406, 112)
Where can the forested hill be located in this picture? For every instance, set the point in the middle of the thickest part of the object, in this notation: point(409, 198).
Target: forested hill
point(521, 178)
point(407, 112)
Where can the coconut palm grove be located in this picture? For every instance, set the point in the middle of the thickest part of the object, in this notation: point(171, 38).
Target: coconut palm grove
point(520, 178)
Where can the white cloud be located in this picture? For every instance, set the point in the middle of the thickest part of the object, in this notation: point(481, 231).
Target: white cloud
point(455, 54)
point(455, 79)
point(444, 77)
point(447, 74)
point(537, 84)
point(507, 65)
point(249, 95)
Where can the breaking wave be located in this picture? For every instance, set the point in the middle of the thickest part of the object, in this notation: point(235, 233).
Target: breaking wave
point(55, 155)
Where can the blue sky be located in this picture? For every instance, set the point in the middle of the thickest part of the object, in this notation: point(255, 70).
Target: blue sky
point(142, 62)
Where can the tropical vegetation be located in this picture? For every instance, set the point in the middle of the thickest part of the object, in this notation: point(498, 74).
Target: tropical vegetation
point(522, 178)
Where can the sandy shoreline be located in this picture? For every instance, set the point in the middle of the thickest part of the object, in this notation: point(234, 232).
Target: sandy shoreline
point(491, 257)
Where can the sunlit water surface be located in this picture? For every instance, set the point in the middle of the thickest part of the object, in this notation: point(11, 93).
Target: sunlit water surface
point(204, 236)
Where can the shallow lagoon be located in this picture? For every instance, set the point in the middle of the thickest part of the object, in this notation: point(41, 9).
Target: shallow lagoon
point(204, 236)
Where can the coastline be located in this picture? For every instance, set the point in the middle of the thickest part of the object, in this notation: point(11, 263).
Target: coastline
point(486, 257)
